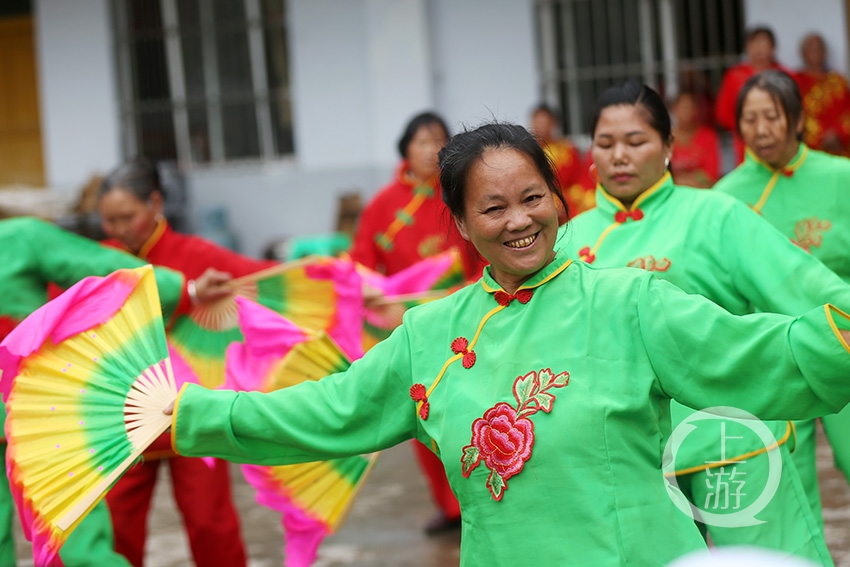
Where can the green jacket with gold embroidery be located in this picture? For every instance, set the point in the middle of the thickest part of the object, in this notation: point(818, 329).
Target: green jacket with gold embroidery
point(547, 407)
point(808, 201)
point(713, 245)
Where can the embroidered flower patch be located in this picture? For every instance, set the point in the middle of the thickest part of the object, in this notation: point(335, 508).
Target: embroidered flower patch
point(504, 438)
point(810, 232)
point(651, 264)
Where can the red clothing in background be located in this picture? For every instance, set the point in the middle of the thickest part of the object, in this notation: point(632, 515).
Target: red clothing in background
point(727, 98)
point(192, 255)
point(696, 162)
point(202, 493)
point(390, 238)
point(826, 103)
point(572, 176)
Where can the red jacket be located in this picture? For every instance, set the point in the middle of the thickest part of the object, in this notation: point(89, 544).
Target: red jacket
point(192, 255)
point(397, 229)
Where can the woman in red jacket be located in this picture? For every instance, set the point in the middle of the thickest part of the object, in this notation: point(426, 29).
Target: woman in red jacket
point(131, 207)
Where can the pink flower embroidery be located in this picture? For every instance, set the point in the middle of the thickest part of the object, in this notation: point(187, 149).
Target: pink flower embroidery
point(809, 233)
point(503, 441)
point(504, 438)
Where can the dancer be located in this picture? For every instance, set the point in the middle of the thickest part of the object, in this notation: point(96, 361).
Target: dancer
point(712, 245)
point(34, 254)
point(131, 207)
point(544, 387)
point(800, 191)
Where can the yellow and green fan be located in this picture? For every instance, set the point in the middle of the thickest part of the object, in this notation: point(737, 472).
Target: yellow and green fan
point(313, 498)
point(85, 380)
point(316, 293)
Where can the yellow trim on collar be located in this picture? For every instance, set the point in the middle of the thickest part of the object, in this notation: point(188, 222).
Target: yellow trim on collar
point(640, 198)
point(487, 316)
point(554, 273)
point(768, 189)
point(153, 239)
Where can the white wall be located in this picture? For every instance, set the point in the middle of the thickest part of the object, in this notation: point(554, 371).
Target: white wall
point(360, 70)
point(77, 90)
point(791, 20)
point(484, 60)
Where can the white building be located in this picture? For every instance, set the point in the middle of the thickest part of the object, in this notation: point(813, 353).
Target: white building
point(347, 76)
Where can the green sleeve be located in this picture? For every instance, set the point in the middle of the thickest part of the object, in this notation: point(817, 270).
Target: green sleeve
point(773, 273)
point(65, 258)
point(773, 366)
point(364, 409)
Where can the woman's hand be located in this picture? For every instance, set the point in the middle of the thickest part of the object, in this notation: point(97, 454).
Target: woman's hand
point(212, 285)
point(845, 335)
point(371, 295)
point(169, 409)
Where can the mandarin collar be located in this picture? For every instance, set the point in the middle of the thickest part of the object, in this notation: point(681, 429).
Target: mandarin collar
point(558, 264)
point(792, 166)
point(609, 205)
point(161, 228)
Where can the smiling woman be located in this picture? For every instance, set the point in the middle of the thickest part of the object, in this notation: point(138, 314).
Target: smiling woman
point(503, 204)
point(551, 438)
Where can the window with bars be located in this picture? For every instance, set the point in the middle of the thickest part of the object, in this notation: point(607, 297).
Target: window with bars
point(586, 46)
point(203, 81)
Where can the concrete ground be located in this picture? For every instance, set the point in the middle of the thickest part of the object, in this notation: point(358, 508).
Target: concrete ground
point(384, 528)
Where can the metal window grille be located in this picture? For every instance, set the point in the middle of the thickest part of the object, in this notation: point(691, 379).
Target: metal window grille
point(586, 46)
point(203, 81)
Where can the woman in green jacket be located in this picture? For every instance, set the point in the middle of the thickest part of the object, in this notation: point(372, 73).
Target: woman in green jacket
point(544, 387)
point(712, 245)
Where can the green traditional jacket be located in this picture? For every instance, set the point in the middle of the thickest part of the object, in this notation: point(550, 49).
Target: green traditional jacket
point(35, 253)
point(712, 245)
point(548, 407)
point(808, 201)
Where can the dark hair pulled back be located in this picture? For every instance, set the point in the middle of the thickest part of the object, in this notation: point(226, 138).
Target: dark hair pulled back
point(633, 93)
point(138, 176)
point(466, 148)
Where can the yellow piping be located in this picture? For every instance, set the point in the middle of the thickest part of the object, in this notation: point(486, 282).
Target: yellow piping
point(790, 168)
point(828, 308)
point(617, 203)
point(486, 318)
point(788, 429)
point(154, 238)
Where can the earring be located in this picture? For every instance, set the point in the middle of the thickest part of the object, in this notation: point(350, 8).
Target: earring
point(667, 162)
point(593, 172)
point(159, 218)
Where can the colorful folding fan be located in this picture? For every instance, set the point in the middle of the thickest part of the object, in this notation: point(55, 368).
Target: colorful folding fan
point(316, 293)
point(85, 380)
point(442, 271)
point(424, 281)
point(313, 498)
